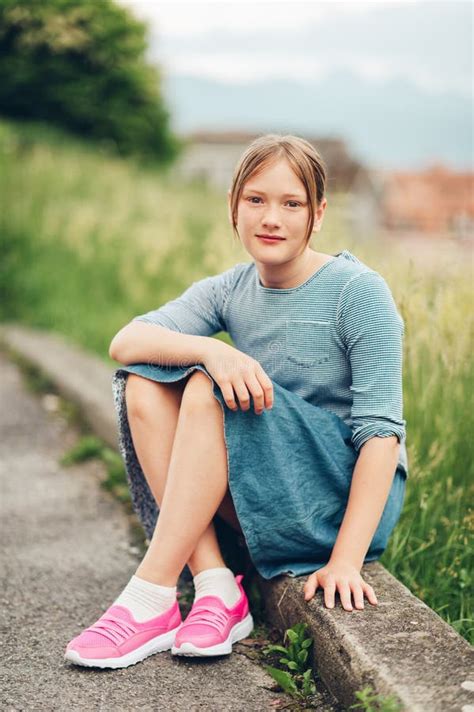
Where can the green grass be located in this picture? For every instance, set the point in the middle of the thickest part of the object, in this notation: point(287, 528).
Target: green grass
point(88, 241)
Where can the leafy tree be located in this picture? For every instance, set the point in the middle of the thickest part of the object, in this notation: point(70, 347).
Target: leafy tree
point(80, 64)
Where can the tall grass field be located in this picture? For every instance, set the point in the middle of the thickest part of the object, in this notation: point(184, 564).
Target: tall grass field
point(88, 241)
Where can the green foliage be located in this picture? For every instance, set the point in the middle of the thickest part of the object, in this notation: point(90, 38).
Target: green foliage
point(298, 680)
point(369, 702)
point(88, 447)
point(89, 241)
point(80, 64)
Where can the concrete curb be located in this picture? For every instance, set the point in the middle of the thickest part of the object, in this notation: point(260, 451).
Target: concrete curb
point(400, 647)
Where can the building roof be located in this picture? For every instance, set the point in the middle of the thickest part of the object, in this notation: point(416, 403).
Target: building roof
point(432, 199)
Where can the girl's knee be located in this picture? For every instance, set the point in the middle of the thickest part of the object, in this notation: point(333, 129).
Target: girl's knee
point(198, 390)
point(143, 395)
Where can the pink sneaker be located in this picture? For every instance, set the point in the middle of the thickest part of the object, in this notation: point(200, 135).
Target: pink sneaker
point(210, 627)
point(117, 640)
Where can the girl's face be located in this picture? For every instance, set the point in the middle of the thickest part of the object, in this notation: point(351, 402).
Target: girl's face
point(274, 202)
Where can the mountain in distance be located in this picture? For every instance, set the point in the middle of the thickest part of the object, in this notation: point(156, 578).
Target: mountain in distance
point(393, 124)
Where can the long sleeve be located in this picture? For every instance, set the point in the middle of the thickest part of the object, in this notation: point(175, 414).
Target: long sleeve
point(199, 310)
point(372, 331)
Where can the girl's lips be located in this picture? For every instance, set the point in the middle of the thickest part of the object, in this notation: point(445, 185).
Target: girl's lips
point(270, 239)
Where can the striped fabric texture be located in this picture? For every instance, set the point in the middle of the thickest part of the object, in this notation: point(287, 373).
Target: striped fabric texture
point(336, 340)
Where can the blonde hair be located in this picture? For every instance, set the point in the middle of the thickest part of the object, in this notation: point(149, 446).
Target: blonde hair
point(303, 158)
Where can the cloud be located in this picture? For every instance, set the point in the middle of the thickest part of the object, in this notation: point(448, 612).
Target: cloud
point(428, 43)
point(182, 19)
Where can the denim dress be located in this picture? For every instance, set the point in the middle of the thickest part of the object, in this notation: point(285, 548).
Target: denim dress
point(289, 474)
point(332, 349)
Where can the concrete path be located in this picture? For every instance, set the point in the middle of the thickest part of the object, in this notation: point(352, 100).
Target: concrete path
point(64, 559)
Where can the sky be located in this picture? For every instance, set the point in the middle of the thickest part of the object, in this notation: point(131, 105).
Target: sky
point(428, 42)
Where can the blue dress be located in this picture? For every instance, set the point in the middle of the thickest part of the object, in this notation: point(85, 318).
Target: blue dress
point(290, 468)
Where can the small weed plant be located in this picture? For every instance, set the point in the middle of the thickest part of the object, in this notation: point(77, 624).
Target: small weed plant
point(297, 680)
point(370, 702)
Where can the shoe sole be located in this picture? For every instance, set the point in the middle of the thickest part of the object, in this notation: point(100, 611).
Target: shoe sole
point(239, 631)
point(155, 645)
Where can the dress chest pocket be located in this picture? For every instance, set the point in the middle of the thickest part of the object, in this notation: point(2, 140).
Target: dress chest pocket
point(307, 342)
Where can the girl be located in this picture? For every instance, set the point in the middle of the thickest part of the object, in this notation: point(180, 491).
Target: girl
point(294, 435)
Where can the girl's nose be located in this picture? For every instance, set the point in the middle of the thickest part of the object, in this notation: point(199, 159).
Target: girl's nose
point(271, 217)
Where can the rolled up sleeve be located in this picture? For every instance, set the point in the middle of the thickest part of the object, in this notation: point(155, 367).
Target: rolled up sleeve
point(199, 310)
point(372, 331)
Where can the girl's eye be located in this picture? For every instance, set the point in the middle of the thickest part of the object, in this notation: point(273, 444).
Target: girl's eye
point(256, 197)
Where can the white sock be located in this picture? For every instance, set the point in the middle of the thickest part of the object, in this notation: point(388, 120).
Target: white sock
point(145, 599)
point(217, 582)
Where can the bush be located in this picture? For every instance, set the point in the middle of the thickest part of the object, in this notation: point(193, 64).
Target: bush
point(80, 64)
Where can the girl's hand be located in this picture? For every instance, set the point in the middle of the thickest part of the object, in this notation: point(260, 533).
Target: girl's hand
point(238, 374)
point(346, 578)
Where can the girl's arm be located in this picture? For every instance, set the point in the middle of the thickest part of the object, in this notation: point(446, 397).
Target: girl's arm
point(139, 342)
point(372, 331)
point(371, 483)
point(176, 333)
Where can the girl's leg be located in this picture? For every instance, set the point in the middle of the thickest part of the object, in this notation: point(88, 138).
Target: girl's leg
point(148, 403)
point(189, 459)
point(195, 459)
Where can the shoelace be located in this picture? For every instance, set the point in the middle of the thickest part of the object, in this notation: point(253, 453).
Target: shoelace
point(115, 629)
point(208, 614)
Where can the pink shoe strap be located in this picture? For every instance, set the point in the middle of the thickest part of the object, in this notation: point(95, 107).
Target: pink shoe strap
point(115, 629)
point(208, 614)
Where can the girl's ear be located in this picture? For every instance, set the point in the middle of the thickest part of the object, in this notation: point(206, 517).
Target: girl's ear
point(319, 215)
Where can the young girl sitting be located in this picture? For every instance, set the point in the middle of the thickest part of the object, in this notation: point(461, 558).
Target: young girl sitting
point(294, 435)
